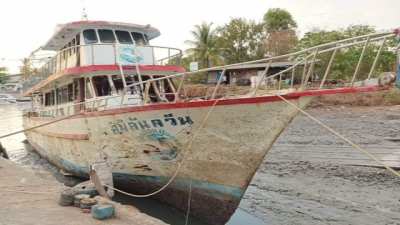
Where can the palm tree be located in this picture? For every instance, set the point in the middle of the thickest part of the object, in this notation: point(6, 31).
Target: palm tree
point(204, 45)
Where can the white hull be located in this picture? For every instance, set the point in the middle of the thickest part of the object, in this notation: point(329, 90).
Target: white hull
point(148, 144)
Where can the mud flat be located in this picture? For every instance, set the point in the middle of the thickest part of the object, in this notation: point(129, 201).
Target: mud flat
point(31, 198)
point(311, 177)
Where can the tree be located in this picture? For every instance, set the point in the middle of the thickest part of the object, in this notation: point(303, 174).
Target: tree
point(3, 73)
point(277, 19)
point(204, 45)
point(241, 40)
point(27, 70)
point(281, 35)
point(347, 59)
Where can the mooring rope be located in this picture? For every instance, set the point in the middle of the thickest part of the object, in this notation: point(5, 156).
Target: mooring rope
point(354, 145)
point(38, 126)
point(190, 144)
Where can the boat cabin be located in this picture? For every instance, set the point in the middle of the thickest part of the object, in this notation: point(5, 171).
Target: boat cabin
point(96, 65)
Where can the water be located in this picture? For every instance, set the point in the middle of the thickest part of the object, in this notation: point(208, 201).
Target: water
point(21, 153)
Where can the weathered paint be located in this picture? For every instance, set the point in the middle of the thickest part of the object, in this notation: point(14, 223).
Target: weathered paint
point(148, 141)
point(224, 157)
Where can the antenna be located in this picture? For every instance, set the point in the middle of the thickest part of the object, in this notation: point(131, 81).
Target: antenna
point(84, 12)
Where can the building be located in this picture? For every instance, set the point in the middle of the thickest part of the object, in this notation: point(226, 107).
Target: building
point(243, 75)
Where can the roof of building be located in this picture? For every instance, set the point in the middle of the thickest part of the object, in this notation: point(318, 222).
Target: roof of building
point(259, 66)
point(66, 32)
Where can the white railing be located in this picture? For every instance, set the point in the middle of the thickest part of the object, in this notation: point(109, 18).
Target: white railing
point(105, 54)
point(297, 77)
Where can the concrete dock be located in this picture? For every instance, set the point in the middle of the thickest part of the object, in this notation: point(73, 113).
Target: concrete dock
point(30, 198)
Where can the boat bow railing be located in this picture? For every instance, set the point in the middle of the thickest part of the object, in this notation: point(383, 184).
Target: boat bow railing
point(300, 75)
point(310, 69)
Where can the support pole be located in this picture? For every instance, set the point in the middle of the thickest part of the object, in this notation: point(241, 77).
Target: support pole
point(376, 59)
point(311, 69)
point(328, 68)
point(263, 76)
point(218, 84)
point(360, 61)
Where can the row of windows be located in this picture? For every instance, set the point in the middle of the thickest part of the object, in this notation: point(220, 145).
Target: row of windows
point(102, 86)
point(62, 95)
point(92, 36)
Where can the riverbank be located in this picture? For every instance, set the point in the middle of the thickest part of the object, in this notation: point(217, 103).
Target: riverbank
point(310, 177)
point(31, 198)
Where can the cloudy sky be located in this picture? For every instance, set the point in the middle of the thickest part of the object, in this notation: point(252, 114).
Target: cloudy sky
point(26, 25)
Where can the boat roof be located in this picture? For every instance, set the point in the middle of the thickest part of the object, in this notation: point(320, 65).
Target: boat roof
point(66, 32)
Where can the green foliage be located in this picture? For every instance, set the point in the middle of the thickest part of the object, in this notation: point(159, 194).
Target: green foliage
point(279, 19)
point(241, 40)
point(204, 45)
point(346, 59)
point(3, 73)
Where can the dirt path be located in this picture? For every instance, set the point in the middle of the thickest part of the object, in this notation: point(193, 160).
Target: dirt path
point(305, 180)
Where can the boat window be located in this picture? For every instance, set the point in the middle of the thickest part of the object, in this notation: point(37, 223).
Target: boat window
point(64, 95)
point(139, 38)
point(88, 93)
point(49, 98)
point(118, 83)
point(70, 88)
point(90, 36)
point(106, 36)
point(58, 96)
point(131, 79)
point(73, 45)
point(101, 85)
point(124, 37)
point(69, 49)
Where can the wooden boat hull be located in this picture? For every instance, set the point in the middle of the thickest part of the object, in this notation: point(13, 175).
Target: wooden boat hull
point(145, 144)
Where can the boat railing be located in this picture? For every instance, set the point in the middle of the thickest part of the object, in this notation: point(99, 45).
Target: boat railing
point(104, 54)
point(300, 75)
point(311, 69)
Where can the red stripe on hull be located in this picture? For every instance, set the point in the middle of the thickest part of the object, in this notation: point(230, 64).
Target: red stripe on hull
point(94, 68)
point(236, 101)
point(222, 102)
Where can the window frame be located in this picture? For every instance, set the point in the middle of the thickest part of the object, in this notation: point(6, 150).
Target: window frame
point(130, 36)
point(91, 42)
point(100, 39)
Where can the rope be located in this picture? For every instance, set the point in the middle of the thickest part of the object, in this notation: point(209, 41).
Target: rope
point(41, 125)
point(190, 144)
point(341, 137)
point(189, 203)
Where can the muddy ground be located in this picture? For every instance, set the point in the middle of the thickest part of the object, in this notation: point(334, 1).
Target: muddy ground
point(304, 179)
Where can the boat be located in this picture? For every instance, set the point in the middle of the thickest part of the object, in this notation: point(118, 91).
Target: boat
point(7, 99)
point(111, 94)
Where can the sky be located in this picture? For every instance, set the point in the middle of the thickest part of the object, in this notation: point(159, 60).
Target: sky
point(26, 25)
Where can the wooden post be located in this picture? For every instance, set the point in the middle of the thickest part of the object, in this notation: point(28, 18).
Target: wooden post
point(3, 152)
point(97, 183)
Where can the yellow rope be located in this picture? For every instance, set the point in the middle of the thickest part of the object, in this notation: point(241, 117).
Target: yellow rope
point(190, 144)
point(341, 137)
